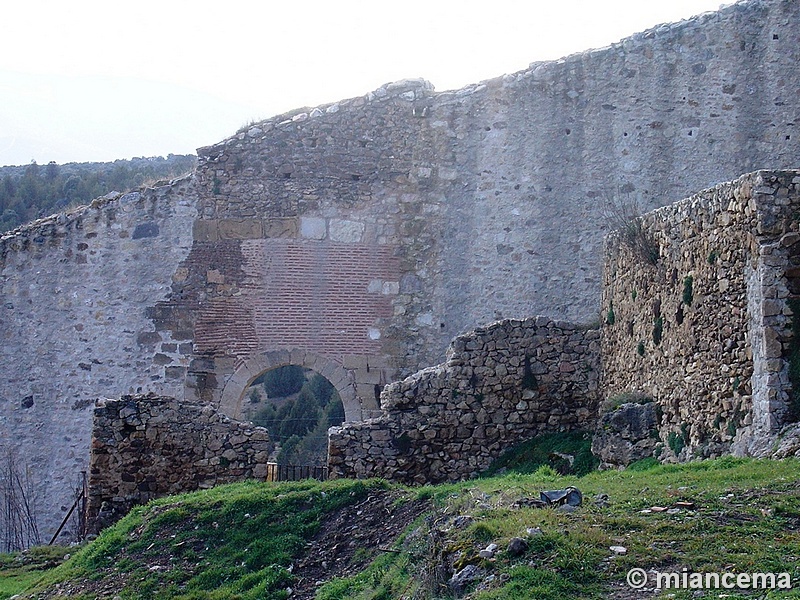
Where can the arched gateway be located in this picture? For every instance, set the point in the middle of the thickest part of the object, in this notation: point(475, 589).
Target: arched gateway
point(342, 379)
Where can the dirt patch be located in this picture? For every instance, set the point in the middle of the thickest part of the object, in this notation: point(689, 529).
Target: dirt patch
point(350, 538)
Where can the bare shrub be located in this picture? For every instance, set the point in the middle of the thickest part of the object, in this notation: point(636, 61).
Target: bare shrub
point(623, 215)
point(18, 517)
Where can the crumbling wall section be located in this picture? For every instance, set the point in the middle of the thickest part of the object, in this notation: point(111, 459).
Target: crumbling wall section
point(702, 325)
point(499, 386)
point(75, 325)
point(144, 447)
point(312, 227)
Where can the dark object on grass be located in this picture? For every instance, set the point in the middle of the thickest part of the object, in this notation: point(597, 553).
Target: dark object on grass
point(571, 496)
point(517, 547)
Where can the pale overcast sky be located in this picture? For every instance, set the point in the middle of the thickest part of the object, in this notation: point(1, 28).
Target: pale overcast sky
point(96, 80)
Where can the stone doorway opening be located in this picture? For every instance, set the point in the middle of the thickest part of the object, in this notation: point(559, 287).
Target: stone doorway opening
point(297, 406)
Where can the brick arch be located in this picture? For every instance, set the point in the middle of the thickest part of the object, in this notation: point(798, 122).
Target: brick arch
point(232, 394)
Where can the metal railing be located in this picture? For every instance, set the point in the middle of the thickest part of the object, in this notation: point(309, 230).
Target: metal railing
point(276, 472)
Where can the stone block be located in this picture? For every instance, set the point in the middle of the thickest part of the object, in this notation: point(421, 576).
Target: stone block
point(214, 276)
point(355, 361)
point(281, 227)
point(240, 229)
point(313, 228)
point(342, 230)
point(205, 230)
point(390, 288)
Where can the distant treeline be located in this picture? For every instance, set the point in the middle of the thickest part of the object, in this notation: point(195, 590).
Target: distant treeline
point(33, 191)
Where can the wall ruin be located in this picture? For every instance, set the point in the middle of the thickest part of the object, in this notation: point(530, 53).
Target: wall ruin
point(145, 447)
point(499, 385)
point(705, 329)
point(363, 235)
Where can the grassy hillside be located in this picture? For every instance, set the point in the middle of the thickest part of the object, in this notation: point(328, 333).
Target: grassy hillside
point(371, 540)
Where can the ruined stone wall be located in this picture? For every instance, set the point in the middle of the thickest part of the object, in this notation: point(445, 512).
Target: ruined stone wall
point(309, 233)
point(361, 236)
point(466, 206)
point(75, 326)
point(704, 328)
point(144, 447)
point(500, 385)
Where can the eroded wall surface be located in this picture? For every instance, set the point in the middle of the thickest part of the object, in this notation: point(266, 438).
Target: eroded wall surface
point(76, 289)
point(705, 329)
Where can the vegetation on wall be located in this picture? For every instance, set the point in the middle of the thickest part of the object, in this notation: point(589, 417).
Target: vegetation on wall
point(658, 330)
point(688, 291)
point(33, 191)
point(610, 316)
point(622, 214)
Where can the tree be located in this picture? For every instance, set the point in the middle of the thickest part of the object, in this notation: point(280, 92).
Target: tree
point(283, 381)
point(303, 415)
point(322, 389)
point(51, 171)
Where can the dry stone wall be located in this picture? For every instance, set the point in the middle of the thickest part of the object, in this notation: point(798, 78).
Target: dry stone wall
point(500, 385)
point(144, 447)
point(705, 329)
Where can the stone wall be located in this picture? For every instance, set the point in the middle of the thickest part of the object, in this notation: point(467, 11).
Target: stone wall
point(458, 208)
point(499, 386)
point(361, 236)
point(705, 329)
point(74, 325)
point(144, 447)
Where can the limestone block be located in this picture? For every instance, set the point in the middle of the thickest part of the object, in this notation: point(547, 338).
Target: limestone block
point(280, 227)
point(342, 230)
point(244, 229)
point(313, 228)
point(205, 230)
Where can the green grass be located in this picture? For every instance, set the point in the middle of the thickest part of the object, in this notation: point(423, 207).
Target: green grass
point(234, 541)
point(541, 451)
point(20, 570)
point(746, 519)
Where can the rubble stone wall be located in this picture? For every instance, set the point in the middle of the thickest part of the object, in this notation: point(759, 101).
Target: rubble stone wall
point(363, 235)
point(499, 386)
point(76, 289)
point(467, 206)
point(144, 447)
point(705, 328)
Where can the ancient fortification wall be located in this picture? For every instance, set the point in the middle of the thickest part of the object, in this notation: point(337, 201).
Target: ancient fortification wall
point(76, 289)
point(705, 328)
point(144, 447)
point(359, 237)
point(500, 385)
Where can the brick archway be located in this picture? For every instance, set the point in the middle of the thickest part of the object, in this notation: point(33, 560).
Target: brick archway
point(232, 394)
